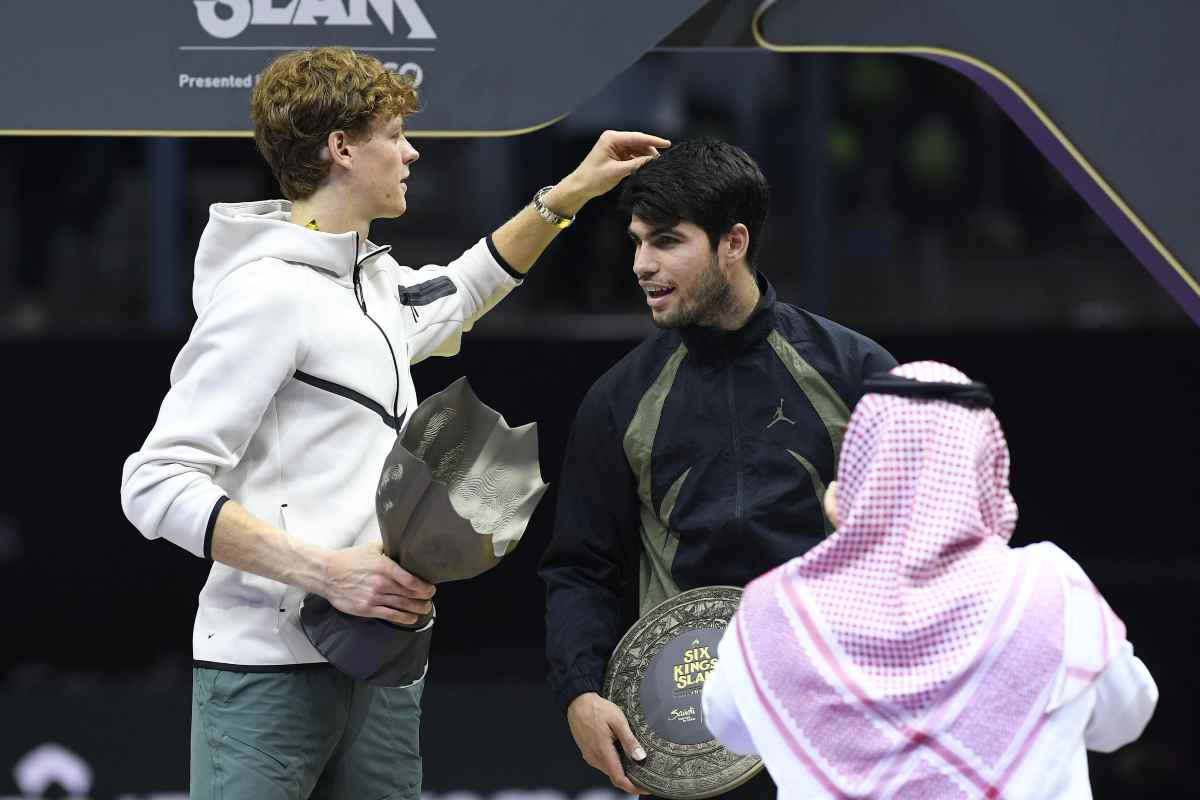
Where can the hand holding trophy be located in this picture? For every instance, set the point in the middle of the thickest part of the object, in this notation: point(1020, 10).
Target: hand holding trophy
point(454, 497)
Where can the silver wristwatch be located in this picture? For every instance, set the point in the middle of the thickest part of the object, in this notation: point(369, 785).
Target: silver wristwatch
point(557, 220)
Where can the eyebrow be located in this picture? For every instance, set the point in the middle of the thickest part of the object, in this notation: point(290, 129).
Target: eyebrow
point(659, 231)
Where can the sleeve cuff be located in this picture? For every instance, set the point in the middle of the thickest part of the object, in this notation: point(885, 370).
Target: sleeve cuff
point(504, 265)
point(575, 686)
point(212, 524)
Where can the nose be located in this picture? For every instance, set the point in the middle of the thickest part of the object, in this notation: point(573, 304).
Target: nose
point(644, 265)
point(411, 154)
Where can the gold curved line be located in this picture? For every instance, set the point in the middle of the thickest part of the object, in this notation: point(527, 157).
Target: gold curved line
point(247, 134)
point(486, 134)
point(1042, 116)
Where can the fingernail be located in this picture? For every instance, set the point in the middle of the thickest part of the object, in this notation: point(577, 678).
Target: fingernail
point(639, 754)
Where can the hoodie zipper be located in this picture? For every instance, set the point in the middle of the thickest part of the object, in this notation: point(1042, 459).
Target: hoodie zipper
point(280, 601)
point(361, 298)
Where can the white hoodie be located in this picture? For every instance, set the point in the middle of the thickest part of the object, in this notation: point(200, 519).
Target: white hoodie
point(287, 398)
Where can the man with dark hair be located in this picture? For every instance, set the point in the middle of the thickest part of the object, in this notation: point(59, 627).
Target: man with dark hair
point(702, 457)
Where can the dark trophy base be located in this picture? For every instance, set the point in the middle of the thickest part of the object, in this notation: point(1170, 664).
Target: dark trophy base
point(368, 649)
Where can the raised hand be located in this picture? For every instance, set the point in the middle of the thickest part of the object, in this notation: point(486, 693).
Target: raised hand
point(615, 155)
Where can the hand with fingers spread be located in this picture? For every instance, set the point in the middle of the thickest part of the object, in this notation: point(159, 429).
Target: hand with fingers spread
point(615, 156)
point(596, 724)
point(365, 582)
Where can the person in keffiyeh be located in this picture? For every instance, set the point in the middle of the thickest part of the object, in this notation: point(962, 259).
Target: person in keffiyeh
point(913, 653)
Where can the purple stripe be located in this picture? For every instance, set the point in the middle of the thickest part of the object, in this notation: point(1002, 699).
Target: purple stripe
point(1024, 751)
point(792, 742)
point(1120, 224)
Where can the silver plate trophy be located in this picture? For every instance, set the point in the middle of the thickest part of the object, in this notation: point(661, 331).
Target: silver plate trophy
point(454, 497)
point(656, 675)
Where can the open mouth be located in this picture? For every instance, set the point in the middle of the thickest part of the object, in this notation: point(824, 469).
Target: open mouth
point(658, 295)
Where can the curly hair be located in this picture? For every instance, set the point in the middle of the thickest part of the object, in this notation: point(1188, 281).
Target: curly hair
point(305, 95)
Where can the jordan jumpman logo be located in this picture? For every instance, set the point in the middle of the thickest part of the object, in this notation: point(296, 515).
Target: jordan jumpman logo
point(779, 417)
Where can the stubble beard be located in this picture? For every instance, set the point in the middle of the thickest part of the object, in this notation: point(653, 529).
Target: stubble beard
point(712, 298)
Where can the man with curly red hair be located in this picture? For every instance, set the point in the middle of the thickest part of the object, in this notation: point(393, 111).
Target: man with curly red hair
point(283, 405)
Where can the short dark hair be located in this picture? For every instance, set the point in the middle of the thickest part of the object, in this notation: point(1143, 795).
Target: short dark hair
point(706, 182)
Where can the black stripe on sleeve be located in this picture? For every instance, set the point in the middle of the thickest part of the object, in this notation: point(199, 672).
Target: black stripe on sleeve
point(504, 265)
point(212, 524)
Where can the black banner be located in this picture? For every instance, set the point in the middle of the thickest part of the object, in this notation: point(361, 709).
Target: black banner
point(186, 68)
point(1104, 89)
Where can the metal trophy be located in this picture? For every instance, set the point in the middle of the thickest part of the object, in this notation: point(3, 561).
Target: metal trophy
point(656, 675)
point(454, 497)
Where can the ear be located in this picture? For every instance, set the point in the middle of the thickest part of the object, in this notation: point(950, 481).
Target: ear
point(735, 244)
point(337, 149)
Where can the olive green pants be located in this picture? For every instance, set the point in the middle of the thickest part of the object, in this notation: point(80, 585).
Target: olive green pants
point(312, 733)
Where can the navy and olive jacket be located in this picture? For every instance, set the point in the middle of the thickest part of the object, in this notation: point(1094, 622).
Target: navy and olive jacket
point(699, 459)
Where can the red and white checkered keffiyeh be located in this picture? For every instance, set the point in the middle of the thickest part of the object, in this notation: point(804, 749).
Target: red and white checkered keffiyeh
point(913, 653)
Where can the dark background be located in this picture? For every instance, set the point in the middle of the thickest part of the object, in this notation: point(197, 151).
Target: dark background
point(905, 205)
